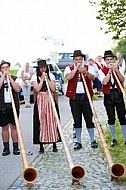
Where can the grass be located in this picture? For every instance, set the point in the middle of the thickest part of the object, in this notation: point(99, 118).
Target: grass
point(65, 80)
point(13, 72)
point(118, 153)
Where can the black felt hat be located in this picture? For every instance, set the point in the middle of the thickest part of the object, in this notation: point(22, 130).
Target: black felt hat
point(108, 53)
point(41, 63)
point(4, 62)
point(78, 53)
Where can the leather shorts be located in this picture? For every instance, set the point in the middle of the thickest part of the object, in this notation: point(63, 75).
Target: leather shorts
point(80, 97)
point(7, 108)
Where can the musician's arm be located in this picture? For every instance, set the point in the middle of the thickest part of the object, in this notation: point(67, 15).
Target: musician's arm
point(52, 85)
point(119, 73)
point(37, 86)
point(15, 85)
point(106, 79)
point(70, 74)
point(1, 80)
point(86, 72)
point(89, 75)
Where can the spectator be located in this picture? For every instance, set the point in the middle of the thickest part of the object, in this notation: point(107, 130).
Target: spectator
point(99, 61)
point(120, 61)
point(26, 75)
point(96, 82)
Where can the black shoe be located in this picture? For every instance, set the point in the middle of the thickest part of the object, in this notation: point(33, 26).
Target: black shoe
point(16, 151)
point(94, 144)
point(75, 143)
point(77, 146)
point(41, 148)
point(100, 96)
point(41, 151)
point(114, 142)
point(55, 147)
point(55, 150)
point(96, 93)
point(5, 152)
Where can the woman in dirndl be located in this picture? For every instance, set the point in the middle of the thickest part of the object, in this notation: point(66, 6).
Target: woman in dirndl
point(45, 127)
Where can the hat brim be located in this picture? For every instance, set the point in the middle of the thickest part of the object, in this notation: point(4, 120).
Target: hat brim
point(82, 55)
point(109, 56)
point(39, 66)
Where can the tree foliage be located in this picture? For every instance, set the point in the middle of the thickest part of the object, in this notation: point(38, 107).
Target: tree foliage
point(113, 14)
point(121, 47)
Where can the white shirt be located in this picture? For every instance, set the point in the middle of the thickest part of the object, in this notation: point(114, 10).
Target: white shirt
point(80, 86)
point(67, 70)
point(7, 98)
point(34, 77)
point(93, 69)
point(102, 75)
point(26, 75)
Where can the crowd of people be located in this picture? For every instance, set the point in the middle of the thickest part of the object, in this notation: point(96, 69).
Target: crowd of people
point(98, 75)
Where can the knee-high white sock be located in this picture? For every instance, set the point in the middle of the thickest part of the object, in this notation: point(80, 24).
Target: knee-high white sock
point(91, 134)
point(113, 132)
point(123, 127)
point(78, 134)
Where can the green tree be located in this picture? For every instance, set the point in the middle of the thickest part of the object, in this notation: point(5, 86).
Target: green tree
point(121, 47)
point(113, 14)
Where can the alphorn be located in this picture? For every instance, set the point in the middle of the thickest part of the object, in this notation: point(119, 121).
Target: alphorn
point(29, 173)
point(77, 172)
point(120, 85)
point(117, 170)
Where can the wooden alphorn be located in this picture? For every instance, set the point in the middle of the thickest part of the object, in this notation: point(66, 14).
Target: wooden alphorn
point(29, 173)
point(77, 172)
point(117, 170)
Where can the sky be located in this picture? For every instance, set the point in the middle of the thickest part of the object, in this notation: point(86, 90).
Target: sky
point(24, 24)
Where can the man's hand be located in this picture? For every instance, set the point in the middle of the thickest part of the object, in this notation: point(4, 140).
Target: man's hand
point(82, 69)
point(44, 74)
point(116, 69)
point(78, 65)
point(111, 67)
point(7, 75)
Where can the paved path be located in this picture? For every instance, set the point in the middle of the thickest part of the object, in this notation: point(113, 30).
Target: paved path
point(53, 169)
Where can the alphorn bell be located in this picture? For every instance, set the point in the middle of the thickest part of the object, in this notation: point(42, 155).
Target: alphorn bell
point(117, 170)
point(77, 172)
point(29, 173)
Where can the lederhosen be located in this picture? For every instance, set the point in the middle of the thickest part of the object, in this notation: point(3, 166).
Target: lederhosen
point(6, 111)
point(80, 103)
point(114, 100)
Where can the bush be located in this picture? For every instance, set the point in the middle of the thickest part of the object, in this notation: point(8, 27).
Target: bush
point(13, 72)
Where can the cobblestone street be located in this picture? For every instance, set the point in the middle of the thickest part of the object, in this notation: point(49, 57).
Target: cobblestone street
point(53, 169)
